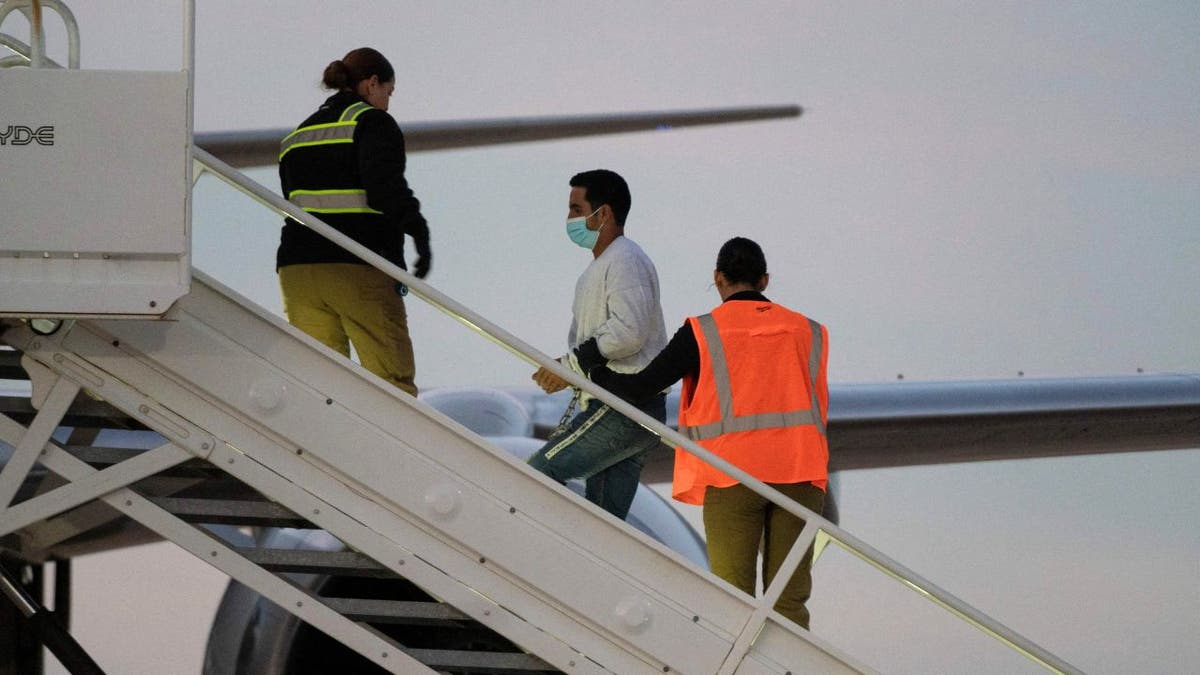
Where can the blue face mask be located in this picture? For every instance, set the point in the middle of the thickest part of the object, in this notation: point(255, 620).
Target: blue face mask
point(579, 233)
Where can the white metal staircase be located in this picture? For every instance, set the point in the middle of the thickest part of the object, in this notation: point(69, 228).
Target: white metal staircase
point(266, 426)
point(501, 569)
point(410, 492)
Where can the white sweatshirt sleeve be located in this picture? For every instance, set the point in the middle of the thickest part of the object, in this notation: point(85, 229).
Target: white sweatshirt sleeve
point(632, 310)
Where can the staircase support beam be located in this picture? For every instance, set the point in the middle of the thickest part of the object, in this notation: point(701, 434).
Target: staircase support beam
point(308, 608)
point(95, 485)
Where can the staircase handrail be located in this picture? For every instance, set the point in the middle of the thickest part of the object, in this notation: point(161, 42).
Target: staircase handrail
point(34, 54)
point(207, 163)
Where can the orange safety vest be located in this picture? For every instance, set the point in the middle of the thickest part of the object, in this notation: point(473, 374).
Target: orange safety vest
point(760, 400)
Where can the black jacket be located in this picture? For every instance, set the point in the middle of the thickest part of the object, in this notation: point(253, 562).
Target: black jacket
point(374, 162)
point(681, 357)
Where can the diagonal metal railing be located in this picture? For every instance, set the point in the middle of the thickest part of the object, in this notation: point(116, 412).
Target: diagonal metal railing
point(815, 525)
point(205, 163)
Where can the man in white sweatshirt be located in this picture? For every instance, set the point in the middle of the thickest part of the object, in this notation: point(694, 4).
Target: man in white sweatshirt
point(617, 316)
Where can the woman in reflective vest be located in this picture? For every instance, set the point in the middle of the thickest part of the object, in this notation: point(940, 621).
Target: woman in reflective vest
point(345, 165)
point(755, 393)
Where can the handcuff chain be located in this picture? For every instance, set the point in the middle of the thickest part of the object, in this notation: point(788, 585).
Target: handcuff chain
point(569, 412)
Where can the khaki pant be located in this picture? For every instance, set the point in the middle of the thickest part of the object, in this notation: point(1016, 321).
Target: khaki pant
point(736, 520)
point(343, 303)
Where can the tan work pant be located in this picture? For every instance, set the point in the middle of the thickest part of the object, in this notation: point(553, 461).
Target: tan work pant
point(343, 303)
point(736, 519)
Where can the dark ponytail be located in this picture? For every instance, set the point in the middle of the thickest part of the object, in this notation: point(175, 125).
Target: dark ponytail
point(356, 66)
point(741, 260)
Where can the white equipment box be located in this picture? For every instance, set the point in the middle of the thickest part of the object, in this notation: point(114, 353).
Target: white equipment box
point(95, 192)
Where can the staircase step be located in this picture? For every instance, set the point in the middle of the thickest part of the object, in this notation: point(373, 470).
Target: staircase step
point(104, 457)
point(345, 563)
point(482, 662)
point(96, 455)
point(407, 612)
point(231, 512)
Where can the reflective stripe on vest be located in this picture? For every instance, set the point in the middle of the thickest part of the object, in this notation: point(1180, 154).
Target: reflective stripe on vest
point(729, 422)
point(331, 201)
point(341, 131)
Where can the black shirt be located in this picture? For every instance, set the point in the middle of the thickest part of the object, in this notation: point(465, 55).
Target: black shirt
point(679, 358)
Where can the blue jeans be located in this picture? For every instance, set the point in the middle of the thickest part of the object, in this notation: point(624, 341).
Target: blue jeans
point(606, 449)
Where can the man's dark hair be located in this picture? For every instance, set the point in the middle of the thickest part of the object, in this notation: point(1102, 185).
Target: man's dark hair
point(741, 260)
point(600, 187)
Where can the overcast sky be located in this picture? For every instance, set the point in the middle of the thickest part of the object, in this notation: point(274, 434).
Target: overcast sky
point(974, 190)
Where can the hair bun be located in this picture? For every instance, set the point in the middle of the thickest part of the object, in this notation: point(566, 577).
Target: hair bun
point(336, 76)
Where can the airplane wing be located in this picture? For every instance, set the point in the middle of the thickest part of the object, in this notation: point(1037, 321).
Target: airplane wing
point(870, 426)
point(874, 426)
point(260, 147)
point(912, 423)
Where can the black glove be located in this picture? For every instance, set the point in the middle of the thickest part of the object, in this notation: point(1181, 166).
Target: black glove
point(424, 259)
point(421, 266)
point(600, 375)
point(414, 225)
point(589, 357)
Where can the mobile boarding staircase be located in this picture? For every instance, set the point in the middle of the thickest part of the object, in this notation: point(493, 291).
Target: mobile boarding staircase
point(265, 426)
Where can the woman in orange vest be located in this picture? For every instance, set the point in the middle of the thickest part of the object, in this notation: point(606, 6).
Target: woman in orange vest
point(755, 392)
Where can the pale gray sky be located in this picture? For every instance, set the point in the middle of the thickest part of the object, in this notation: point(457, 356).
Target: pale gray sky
point(975, 189)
